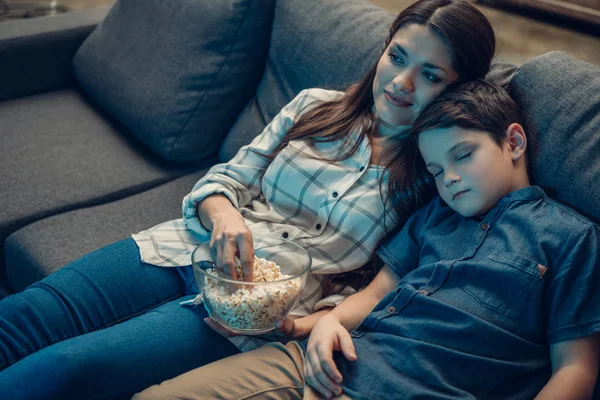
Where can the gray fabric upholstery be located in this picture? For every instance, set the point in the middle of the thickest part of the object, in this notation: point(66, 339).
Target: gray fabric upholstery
point(58, 154)
point(176, 75)
point(560, 99)
point(313, 44)
point(36, 54)
point(45, 246)
point(501, 73)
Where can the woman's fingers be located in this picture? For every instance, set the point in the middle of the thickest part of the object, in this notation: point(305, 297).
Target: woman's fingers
point(246, 251)
point(226, 263)
point(285, 327)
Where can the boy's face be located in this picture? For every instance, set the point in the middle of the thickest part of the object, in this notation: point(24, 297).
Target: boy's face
point(472, 173)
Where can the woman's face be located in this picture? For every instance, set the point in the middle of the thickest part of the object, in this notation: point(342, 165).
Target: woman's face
point(413, 70)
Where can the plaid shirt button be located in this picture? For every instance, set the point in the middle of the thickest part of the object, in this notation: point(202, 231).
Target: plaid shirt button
point(285, 235)
point(334, 194)
point(362, 168)
point(318, 227)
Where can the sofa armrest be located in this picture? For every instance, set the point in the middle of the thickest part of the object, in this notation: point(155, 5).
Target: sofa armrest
point(36, 54)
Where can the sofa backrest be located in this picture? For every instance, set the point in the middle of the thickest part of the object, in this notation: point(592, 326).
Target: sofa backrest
point(560, 99)
point(328, 44)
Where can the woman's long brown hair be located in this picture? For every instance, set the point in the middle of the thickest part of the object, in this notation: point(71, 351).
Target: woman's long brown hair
point(470, 40)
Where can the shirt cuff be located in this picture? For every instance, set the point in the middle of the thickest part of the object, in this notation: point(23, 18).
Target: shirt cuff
point(335, 299)
point(190, 206)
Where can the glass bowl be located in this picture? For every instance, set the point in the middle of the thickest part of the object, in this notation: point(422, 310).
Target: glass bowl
point(252, 308)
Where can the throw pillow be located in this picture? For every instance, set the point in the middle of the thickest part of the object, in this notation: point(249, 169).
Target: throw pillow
point(176, 74)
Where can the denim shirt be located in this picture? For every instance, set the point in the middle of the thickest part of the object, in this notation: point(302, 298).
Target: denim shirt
point(479, 302)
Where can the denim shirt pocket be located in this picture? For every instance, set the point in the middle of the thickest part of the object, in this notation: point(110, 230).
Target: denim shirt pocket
point(504, 283)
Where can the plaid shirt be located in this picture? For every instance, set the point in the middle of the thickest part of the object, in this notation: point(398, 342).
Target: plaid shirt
point(334, 210)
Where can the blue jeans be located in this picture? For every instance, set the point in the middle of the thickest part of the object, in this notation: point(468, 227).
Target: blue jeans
point(105, 326)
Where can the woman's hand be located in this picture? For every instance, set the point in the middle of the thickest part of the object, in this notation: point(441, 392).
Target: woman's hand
point(230, 237)
point(320, 371)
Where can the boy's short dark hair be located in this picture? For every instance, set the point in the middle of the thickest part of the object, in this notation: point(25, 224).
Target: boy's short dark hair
point(477, 105)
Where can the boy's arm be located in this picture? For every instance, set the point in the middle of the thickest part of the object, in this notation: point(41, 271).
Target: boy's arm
point(351, 312)
point(331, 333)
point(359, 305)
point(574, 369)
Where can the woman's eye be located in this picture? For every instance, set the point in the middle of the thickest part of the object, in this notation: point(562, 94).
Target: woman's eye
point(437, 174)
point(396, 58)
point(463, 156)
point(431, 77)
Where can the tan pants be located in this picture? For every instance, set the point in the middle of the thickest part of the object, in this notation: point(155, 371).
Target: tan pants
point(274, 371)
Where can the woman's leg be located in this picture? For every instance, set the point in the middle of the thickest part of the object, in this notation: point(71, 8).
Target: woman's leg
point(98, 290)
point(116, 362)
point(72, 335)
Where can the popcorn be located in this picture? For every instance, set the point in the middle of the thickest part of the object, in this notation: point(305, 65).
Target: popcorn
point(253, 307)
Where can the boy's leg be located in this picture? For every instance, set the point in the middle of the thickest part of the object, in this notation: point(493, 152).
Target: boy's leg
point(274, 371)
point(118, 361)
point(98, 290)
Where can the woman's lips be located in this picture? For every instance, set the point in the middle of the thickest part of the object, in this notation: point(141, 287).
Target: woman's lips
point(395, 100)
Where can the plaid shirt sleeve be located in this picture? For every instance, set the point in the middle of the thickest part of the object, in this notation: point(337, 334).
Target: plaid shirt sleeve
point(240, 179)
point(334, 299)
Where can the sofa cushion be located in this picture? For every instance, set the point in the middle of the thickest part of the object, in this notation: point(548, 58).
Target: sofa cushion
point(560, 99)
point(41, 248)
point(176, 77)
point(300, 58)
point(58, 154)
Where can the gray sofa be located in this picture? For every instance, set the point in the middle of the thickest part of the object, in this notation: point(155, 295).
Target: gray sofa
point(108, 117)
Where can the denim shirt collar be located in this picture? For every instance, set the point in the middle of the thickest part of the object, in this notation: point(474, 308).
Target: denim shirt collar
point(528, 193)
point(524, 194)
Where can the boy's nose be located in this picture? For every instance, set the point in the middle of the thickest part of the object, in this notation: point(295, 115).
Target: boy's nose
point(450, 178)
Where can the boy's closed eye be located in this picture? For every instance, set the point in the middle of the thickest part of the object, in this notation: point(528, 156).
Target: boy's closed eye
point(436, 173)
point(460, 157)
point(463, 156)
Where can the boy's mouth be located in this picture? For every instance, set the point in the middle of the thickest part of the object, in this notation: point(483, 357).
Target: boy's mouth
point(458, 195)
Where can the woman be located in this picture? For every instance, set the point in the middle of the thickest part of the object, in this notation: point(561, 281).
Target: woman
point(110, 324)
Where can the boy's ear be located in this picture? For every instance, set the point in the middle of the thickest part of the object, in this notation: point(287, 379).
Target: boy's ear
point(517, 140)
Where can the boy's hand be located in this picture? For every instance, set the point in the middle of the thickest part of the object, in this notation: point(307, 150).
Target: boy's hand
point(320, 371)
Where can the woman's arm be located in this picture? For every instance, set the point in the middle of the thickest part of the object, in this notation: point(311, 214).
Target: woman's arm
point(574, 369)
point(211, 208)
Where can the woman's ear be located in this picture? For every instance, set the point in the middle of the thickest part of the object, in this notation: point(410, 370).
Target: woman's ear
point(517, 140)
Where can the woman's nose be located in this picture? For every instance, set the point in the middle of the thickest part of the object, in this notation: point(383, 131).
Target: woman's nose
point(404, 81)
